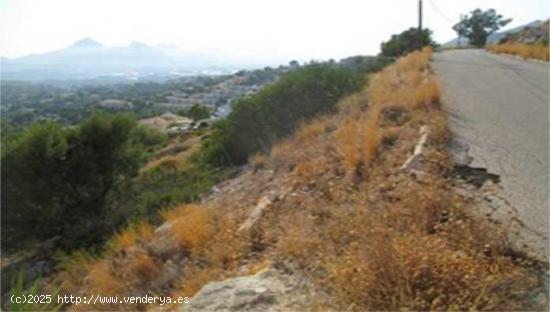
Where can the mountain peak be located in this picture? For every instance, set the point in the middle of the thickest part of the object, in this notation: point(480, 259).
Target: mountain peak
point(87, 43)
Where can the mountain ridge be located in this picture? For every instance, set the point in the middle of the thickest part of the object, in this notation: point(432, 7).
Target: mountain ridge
point(87, 58)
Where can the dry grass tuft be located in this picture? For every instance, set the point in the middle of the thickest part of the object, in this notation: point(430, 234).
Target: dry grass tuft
point(128, 238)
point(102, 279)
point(358, 141)
point(143, 268)
point(370, 140)
point(216, 259)
point(526, 51)
point(257, 161)
point(353, 102)
point(191, 225)
point(306, 172)
point(308, 131)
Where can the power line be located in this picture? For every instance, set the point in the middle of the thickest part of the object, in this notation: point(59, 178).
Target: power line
point(438, 11)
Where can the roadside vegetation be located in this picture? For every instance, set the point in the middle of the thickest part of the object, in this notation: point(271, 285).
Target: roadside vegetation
point(479, 24)
point(342, 211)
point(527, 51)
point(257, 121)
point(71, 188)
point(406, 42)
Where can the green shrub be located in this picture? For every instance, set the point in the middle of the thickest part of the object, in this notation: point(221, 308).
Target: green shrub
point(197, 112)
point(158, 188)
point(57, 181)
point(148, 137)
point(257, 121)
point(406, 42)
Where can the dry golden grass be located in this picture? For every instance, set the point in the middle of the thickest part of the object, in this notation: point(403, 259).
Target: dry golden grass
point(527, 51)
point(402, 243)
point(216, 259)
point(370, 140)
point(353, 102)
point(125, 239)
point(349, 145)
point(143, 268)
point(128, 237)
point(257, 161)
point(405, 84)
point(307, 131)
point(358, 141)
point(192, 225)
point(390, 240)
point(306, 172)
point(102, 279)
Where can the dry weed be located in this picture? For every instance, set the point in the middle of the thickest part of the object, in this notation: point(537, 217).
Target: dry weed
point(527, 51)
point(102, 279)
point(257, 161)
point(192, 225)
point(142, 231)
point(310, 130)
point(358, 140)
point(143, 268)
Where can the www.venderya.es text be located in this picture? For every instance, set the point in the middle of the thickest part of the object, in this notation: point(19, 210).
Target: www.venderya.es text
point(96, 299)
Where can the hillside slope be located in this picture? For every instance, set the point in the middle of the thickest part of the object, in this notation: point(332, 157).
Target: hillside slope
point(359, 206)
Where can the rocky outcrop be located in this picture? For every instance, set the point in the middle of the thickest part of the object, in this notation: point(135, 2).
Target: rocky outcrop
point(268, 290)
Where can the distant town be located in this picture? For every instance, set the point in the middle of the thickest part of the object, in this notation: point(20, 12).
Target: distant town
point(27, 102)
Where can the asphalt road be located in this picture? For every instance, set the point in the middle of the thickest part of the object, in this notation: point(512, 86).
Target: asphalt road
point(499, 108)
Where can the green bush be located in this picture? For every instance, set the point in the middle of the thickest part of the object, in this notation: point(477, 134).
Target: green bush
point(158, 188)
point(257, 121)
point(148, 137)
point(406, 42)
point(197, 112)
point(56, 181)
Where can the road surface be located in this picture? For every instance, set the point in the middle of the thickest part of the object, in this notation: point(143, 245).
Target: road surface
point(499, 108)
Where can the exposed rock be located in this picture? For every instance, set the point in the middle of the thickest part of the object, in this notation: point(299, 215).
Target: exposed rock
point(169, 275)
point(268, 290)
point(414, 159)
point(263, 203)
point(164, 245)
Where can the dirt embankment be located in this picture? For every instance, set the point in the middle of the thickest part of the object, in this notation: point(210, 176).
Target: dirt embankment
point(360, 206)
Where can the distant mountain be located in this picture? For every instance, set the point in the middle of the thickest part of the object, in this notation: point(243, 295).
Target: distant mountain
point(87, 59)
point(496, 37)
point(87, 43)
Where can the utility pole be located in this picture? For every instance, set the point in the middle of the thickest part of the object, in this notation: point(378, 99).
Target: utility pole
point(420, 44)
point(460, 33)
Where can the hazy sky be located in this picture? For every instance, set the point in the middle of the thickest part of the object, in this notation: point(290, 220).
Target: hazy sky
point(276, 28)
